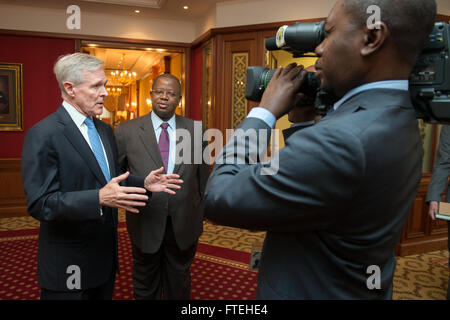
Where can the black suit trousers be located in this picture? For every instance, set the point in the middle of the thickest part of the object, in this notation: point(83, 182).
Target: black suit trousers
point(165, 273)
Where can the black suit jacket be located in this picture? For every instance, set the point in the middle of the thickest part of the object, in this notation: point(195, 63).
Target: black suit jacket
point(61, 178)
point(337, 204)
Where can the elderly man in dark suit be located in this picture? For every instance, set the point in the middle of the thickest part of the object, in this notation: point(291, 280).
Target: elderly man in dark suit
point(438, 183)
point(335, 208)
point(164, 237)
point(69, 171)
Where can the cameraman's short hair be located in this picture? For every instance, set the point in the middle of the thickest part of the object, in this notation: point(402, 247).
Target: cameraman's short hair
point(70, 68)
point(409, 21)
point(170, 76)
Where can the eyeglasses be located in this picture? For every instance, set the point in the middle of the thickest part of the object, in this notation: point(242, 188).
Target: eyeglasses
point(159, 92)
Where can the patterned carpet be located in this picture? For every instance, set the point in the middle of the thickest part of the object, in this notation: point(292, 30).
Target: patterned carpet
point(218, 273)
point(417, 277)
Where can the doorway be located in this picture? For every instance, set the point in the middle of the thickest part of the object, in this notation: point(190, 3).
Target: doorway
point(130, 72)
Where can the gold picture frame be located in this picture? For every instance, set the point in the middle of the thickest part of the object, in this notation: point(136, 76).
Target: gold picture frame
point(11, 97)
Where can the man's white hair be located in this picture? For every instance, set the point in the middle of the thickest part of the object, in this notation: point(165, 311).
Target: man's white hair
point(70, 68)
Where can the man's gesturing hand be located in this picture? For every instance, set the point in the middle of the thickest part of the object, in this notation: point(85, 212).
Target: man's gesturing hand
point(158, 182)
point(115, 196)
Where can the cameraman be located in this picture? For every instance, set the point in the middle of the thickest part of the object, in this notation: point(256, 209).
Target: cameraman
point(335, 209)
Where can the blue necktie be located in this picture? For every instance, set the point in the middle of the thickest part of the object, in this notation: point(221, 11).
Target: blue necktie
point(96, 146)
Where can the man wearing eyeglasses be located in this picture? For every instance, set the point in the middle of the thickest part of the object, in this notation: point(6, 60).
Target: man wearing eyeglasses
point(164, 236)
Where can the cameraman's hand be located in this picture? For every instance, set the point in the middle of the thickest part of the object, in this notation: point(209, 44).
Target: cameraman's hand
point(279, 97)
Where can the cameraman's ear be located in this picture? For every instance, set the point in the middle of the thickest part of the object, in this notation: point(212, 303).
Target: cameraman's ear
point(374, 38)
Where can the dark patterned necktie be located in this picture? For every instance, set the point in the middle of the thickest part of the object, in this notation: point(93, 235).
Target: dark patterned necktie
point(164, 144)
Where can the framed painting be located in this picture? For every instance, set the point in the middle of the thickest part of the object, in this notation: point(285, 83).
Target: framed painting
point(11, 97)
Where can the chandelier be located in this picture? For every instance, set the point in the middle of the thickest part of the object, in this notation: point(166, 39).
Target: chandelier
point(114, 91)
point(122, 77)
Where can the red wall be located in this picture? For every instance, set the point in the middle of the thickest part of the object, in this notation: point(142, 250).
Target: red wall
point(196, 83)
point(41, 94)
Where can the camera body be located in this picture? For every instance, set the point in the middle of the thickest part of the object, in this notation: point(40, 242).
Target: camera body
point(429, 80)
point(262, 76)
point(297, 40)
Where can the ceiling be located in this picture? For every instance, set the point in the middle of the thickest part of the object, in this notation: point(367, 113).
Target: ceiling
point(139, 61)
point(169, 9)
point(156, 4)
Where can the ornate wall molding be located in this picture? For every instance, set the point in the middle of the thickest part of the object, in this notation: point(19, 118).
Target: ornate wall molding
point(238, 102)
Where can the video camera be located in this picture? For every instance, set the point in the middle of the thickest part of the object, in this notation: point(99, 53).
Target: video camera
point(429, 80)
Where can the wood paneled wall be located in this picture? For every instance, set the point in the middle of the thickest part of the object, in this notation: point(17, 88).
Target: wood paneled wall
point(227, 45)
point(227, 42)
point(421, 234)
point(12, 196)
